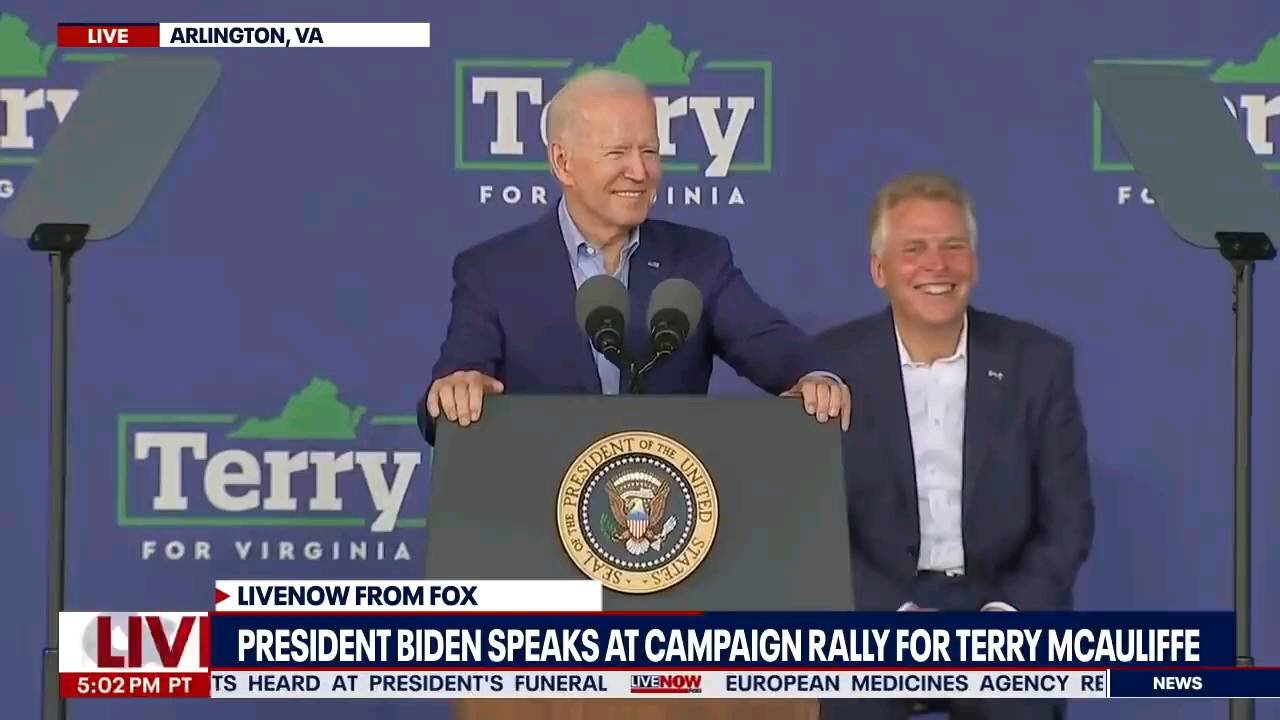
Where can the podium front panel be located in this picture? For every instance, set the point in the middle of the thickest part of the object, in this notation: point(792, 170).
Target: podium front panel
point(781, 532)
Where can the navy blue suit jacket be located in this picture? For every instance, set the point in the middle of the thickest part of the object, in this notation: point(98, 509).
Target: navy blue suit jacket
point(1027, 510)
point(513, 316)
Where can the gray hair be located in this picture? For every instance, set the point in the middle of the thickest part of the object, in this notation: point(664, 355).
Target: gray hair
point(563, 110)
point(918, 185)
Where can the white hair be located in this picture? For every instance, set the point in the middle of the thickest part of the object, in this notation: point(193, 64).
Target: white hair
point(563, 110)
point(920, 185)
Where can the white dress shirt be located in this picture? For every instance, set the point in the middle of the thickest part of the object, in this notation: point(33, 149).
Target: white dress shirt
point(935, 394)
point(935, 409)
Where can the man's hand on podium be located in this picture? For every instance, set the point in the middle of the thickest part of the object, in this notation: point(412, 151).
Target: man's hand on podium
point(460, 395)
point(825, 396)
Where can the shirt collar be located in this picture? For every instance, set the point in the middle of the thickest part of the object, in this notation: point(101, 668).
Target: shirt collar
point(575, 241)
point(961, 347)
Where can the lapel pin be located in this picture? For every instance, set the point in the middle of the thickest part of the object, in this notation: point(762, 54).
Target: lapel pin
point(654, 264)
point(994, 374)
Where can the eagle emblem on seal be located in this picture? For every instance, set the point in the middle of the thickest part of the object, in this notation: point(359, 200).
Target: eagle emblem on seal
point(637, 512)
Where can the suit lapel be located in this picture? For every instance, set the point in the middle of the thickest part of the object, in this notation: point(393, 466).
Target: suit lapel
point(889, 399)
point(650, 264)
point(555, 275)
point(988, 398)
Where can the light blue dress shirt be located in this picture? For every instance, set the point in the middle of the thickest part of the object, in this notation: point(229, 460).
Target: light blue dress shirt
point(588, 262)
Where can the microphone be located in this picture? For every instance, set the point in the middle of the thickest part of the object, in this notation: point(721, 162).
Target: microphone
point(675, 307)
point(602, 309)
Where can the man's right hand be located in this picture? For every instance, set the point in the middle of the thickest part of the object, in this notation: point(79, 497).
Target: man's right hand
point(460, 395)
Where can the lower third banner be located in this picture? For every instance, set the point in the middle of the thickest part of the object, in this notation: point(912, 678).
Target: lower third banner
point(708, 684)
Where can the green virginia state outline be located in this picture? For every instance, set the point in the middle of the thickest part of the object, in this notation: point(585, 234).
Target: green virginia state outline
point(1265, 67)
point(650, 56)
point(20, 55)
point(314, 413)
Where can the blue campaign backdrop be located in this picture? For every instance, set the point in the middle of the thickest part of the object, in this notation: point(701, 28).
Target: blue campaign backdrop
point(286, 288)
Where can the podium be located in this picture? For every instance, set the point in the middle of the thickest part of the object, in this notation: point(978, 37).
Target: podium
point(673, 502)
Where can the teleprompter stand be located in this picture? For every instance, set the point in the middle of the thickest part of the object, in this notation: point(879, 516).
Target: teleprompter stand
point(61, 241)
point(90, 183)
point(1242, 250)
point(1214, 193)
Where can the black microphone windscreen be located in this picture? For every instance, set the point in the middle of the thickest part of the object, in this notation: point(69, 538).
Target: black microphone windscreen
point(601, 291)
point(676, 294)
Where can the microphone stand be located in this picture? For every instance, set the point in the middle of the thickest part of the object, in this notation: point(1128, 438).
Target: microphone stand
point(667, 337)
point(628, 376)
point(667, 341)
point(667, 347)
point(634, 384)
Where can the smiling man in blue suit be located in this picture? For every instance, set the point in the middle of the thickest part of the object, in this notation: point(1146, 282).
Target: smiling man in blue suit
point(967, 466)
point(513, 327)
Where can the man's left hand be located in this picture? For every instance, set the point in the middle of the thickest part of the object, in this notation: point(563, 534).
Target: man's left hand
point(824, 397)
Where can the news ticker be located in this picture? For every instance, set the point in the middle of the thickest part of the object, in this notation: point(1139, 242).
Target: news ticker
point(238, 34)
point(719, 684)
point(550, 639)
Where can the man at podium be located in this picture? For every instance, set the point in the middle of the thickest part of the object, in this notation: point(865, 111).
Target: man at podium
point(967, 467)
point(513, 326)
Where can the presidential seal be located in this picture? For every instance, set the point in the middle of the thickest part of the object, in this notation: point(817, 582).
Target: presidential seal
point(637, 511)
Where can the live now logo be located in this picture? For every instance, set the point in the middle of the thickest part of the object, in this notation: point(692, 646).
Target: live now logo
point(663, 684)
point(168, 648)
point(133, 642)
point(121, 655)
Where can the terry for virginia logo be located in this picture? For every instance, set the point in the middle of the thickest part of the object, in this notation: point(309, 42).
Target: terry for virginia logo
point(317, 464)
point(31, 102)
point(1251, 92)
point(715, 119)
